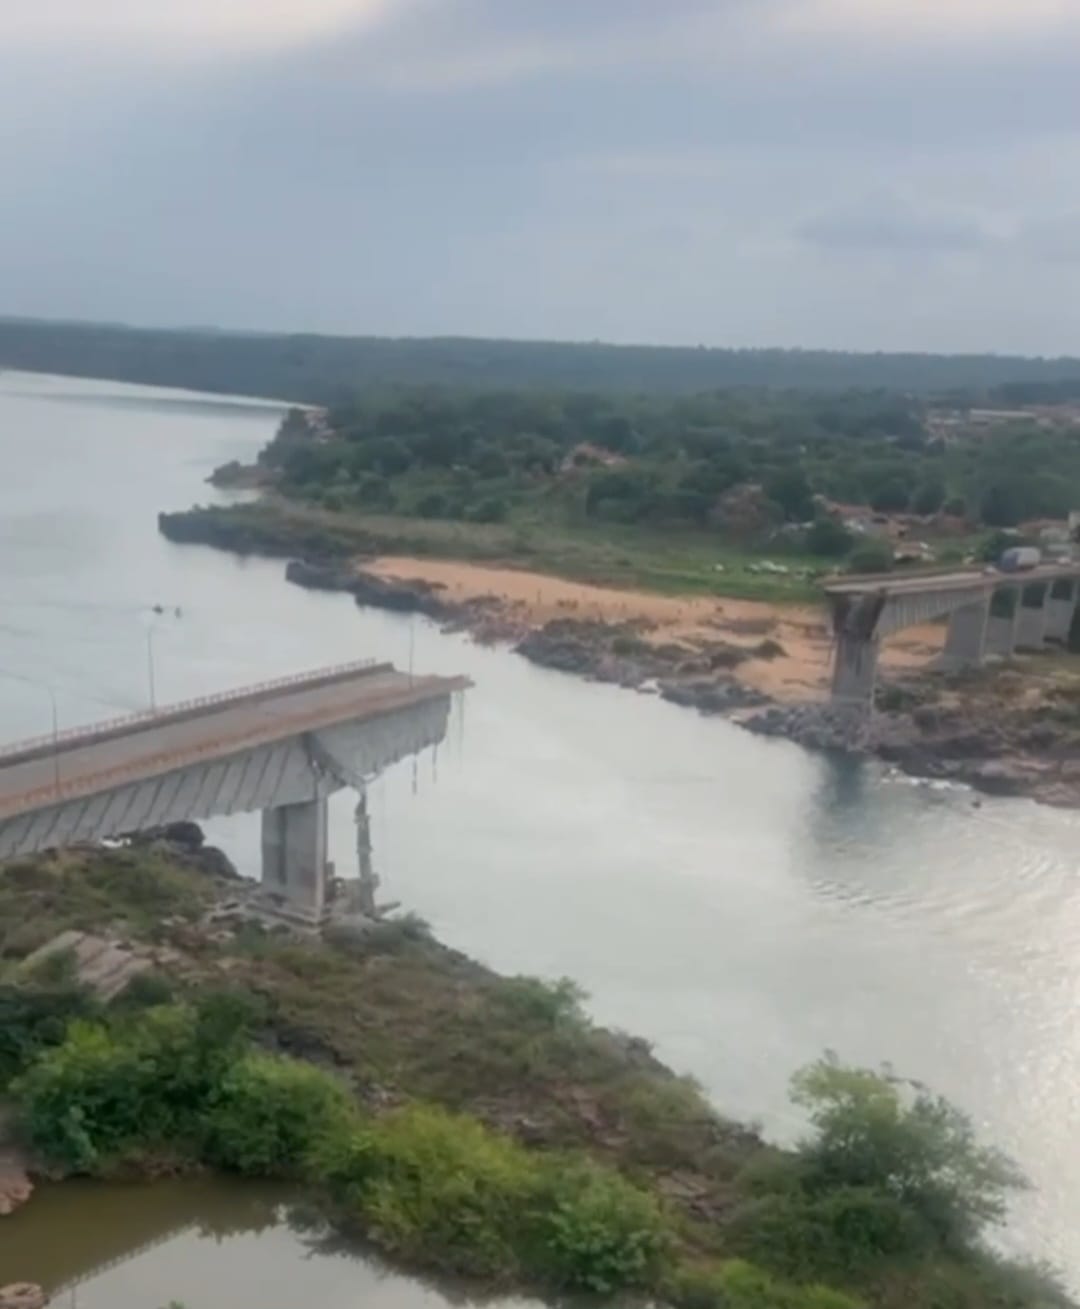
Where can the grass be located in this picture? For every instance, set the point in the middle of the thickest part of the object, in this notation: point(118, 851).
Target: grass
point(669, 562)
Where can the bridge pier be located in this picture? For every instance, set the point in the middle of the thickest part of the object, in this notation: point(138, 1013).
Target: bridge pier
point(855, 670)
point(965, 644)
point(1060, 607)
point(1031, 617)
point(1002, 621)
point(295, 868)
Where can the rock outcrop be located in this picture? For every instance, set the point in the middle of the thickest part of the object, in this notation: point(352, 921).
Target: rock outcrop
point(22, 1295)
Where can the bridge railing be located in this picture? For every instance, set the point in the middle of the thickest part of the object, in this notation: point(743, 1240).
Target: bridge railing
point(213, 748)
point(149, 717)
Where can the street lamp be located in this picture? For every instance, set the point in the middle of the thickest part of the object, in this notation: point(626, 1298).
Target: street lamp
point(150, 665)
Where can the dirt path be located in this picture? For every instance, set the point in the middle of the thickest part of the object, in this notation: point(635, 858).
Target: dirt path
point(521, 601)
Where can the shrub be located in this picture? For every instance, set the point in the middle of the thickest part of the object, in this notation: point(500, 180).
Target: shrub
point(444, 1189)
point(432, 1185)
point(268, 1112)
point(739, 1285)
point(829, 537)
point(842, 1234)
point(600, 1233)
point(877, 1132)
point(871, 557)
point(34, 1019)
point(108, 1092)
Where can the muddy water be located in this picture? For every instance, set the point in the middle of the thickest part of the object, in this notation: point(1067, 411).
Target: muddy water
point(206, 1244)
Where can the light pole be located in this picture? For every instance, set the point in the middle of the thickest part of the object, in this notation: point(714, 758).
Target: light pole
point(150, 665)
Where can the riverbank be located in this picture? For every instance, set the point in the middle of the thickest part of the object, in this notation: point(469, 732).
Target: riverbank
point(389, 1021)
point(1009, 729)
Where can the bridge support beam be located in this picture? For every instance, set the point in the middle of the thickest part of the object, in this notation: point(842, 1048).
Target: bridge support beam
point(295, 869)
point(1060, 607)
point(1002, 622)
point(965, 644)
point(855, 670)
point(1031, 617)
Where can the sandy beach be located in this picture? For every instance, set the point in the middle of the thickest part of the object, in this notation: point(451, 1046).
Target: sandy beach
point(518, 601)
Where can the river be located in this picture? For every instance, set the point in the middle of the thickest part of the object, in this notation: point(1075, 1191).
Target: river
point(743, 904)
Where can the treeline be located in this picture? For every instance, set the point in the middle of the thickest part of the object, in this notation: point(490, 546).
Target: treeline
point(329, 369)
point(746, 464)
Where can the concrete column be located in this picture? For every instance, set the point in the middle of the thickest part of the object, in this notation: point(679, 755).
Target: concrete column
point(1060, 607)
point(854, 670)
point(965, 644)
point(1031, 617)
point(295, 870)
point(1002, 621)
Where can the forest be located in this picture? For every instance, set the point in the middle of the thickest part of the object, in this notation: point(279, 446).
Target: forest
point(749, 466)
point(311, 369)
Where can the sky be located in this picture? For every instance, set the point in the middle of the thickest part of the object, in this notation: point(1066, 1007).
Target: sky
point(861, 174)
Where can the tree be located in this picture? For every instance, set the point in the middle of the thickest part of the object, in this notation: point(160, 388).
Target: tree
point(876, 1131)
point(829, 537)
point(1000, 505)
point(791, 490)
point(871, 556)
point(929, 497)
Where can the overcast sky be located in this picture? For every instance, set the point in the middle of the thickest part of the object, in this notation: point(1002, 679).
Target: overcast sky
point(852, 173)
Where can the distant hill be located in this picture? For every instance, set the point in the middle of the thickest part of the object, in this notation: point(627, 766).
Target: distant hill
point(329, 369)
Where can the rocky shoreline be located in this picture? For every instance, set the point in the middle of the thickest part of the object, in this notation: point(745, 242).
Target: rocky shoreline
point(925, 725)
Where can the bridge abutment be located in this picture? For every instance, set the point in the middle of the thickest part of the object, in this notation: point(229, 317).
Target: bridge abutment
point(295, 867)
point(965, 643)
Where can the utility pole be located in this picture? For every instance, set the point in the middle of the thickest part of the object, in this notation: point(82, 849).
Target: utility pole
point(150, 665)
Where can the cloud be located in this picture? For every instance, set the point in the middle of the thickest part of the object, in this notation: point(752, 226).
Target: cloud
point(888, 224)
point(739, 171)
point(195, 23)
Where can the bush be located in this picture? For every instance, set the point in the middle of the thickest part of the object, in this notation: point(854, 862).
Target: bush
point(489, 510)
point(445, 1190)
point(600, 1233)
point(267, 1114)
point(739, 1285)
point(871, 557)
point(33, 1020)
point(107, 1092)
point(829, 537)
point(897, 1139)
point(434, 1186)
point(843, 1234)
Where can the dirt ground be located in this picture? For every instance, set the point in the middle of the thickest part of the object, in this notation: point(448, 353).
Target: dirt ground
point(523, 600)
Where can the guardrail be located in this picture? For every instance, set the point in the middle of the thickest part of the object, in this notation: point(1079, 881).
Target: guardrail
point(150, 717)
point(216, 747)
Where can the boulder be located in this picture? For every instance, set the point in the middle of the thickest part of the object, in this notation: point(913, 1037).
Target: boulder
point(22, 1295)
point(15, 1186)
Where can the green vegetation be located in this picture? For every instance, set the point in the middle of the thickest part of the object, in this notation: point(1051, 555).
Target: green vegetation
point(321, 369)
point(740, 493)
point(482, 1124)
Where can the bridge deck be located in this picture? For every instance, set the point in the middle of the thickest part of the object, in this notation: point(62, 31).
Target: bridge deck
point(98, 758)
point(955, 580)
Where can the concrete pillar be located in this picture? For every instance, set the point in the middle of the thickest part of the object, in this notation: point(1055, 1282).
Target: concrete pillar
point(295, 869)
point(1060, 606)
point(854, 670)
point(1031, 617)
point(1002, 621)
point(965, 644)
